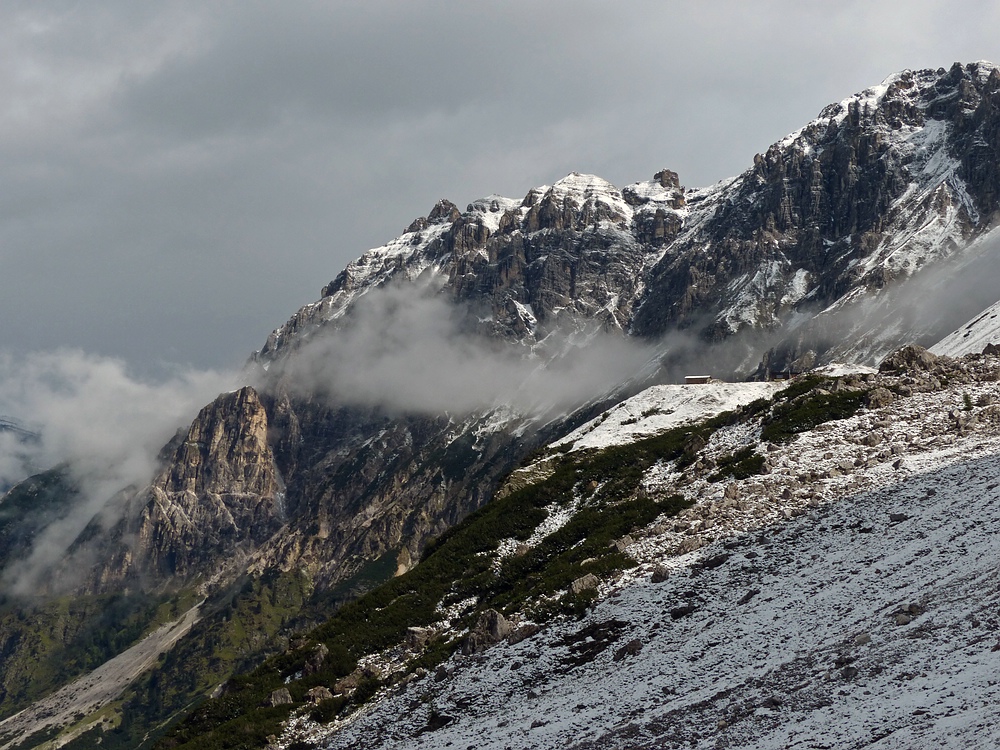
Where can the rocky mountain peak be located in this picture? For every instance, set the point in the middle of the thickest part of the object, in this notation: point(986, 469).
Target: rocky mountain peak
point(225, 450)
point(575, 202)
point(668, 179)
point(882, 183)
point(443, 212)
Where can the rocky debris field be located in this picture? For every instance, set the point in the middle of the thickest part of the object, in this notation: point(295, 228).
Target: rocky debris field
point(87, 694)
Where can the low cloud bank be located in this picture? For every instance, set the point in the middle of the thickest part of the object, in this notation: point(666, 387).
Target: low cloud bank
point(409, 350)
point(406, 349)
point(921, 309)
point(90, 415)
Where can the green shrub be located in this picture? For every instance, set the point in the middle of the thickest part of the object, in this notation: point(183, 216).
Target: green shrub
point(326, 711)
point(789, 418)
point(743, 464)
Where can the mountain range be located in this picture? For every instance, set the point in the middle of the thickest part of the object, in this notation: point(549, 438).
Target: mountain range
point(472, 453)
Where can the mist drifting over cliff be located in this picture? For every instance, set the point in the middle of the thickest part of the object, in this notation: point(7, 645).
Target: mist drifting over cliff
point(407, 349)
point(102, 425)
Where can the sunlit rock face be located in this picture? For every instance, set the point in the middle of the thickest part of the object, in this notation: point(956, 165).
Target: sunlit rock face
point(218, 496)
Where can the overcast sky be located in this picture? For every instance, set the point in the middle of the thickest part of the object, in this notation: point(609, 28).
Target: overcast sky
point(176, 179)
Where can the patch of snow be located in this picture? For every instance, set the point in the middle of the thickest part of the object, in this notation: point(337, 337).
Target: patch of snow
point(490, 210)
point(661, 408)
point(843, 369)
point(558, 516)
point(797, 288)
point(456, 610)
point(527, 315)
point(752, 291)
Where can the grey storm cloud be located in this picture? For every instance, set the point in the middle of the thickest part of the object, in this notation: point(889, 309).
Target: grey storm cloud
point(94, 415)
point(180, 177)
point(98, 421)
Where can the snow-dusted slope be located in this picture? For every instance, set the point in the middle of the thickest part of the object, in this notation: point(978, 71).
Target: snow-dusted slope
point(841, 629)
point(847, 598)
point(974, 336)
point(662, 407)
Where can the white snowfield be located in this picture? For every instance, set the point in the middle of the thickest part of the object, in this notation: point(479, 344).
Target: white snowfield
point(662, 407)
point(849, 598)
point(843, 369)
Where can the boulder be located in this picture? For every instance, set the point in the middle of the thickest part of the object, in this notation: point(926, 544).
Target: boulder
point(622, 544)
point(632, 648)
point(319, 694)
point(417, 638)
point(683, 611)
point(279, 697)
point(315, 660)
point(491, 628)
point(879, 397)
point(523, 632)
point(910, 358)
point(348, 684)
point(584, 583)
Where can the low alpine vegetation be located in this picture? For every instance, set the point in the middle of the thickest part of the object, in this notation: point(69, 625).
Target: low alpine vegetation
point(742, 464)
point(807, 404)
point(486, 563)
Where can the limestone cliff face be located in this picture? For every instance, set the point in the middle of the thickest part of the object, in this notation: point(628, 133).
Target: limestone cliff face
point(286, 482)
point(892, 179)
point(218, 497)
point(362, 483)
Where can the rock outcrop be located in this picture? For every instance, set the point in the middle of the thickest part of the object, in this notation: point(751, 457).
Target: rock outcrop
point(908, 359)
point(218, 497)
point(491, 628)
